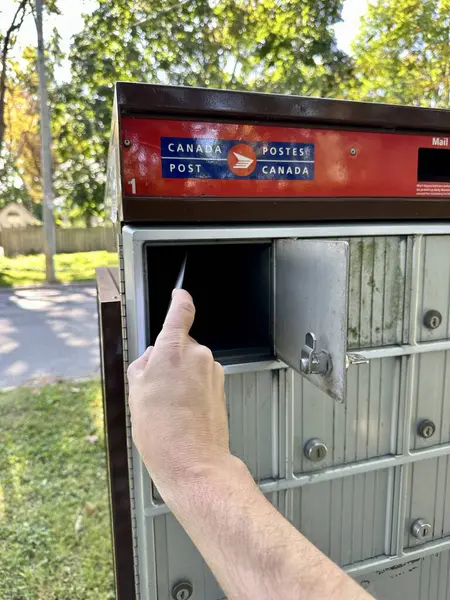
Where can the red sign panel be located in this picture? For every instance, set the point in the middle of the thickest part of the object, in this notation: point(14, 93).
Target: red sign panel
point(172, 158)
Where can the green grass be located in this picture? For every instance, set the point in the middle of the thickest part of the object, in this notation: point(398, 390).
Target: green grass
point(54, 512)
point(30, 270)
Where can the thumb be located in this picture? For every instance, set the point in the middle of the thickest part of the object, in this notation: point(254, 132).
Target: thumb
point(180, 316)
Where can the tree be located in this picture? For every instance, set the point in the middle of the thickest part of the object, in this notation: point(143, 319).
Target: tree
point(21, 172)
point(21, 142)
point(283, 46)
point(20, 165)
point(403, 53)
point(7, 41)
point(12, 188)
point(20, 162)
point(124, 39)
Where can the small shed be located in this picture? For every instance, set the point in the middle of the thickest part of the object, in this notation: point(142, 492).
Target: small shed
point(15, 215)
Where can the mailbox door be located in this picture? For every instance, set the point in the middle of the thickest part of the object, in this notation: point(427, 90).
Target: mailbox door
point(311, 295)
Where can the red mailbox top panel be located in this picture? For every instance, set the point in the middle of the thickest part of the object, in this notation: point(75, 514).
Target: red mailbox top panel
point(182, 154)
point(171, 158)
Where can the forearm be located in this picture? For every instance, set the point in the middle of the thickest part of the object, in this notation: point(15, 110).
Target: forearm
point(252, 550)
point(180, 427)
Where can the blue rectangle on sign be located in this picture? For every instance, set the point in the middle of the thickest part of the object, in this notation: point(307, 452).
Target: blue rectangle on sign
point(209, 158)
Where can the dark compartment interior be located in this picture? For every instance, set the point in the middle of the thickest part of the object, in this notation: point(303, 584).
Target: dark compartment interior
point(434, 165)
point(231, 288)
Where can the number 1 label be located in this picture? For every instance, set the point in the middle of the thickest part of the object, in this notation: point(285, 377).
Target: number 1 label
point(133, 185)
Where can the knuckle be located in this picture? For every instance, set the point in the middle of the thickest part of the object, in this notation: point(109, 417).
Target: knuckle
point(186, 306)
point(204, 353)
point(170, 349)
point(219, 370)
point(130, 370)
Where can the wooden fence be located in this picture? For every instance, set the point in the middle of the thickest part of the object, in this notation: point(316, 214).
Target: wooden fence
point(31, 240)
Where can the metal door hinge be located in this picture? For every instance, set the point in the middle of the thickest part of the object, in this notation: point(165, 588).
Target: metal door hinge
point(313, 362)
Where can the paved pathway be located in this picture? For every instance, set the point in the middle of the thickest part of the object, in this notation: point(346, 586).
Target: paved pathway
point(48, 333)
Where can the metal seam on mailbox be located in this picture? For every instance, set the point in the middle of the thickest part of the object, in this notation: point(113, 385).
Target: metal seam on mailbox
point(282, 231)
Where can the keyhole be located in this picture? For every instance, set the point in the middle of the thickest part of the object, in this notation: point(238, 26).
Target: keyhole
point(428, 431)
point(315, 450)
point(432, 319)
point(425, 532)
point(182, 591)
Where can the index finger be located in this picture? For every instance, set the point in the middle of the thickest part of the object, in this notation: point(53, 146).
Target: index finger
point(180, 316)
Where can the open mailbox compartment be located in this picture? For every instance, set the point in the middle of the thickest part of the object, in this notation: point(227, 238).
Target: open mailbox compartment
point(231, 284)
point(259, 300)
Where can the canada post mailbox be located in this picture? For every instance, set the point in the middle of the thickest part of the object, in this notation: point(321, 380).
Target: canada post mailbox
point(319, 231)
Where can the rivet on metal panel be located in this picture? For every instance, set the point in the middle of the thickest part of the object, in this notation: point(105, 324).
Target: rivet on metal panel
point(313, 362)
point(353, 152)
point(182, 590)
point(421, 529)
point(432, 319)
point(315, 450)
point(127, 143)
point(426, 428)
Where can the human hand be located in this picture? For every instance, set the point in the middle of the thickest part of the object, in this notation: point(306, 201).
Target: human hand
point(177, 401)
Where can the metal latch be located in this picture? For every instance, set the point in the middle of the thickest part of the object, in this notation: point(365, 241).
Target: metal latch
point(313, 362)
point(355, 359)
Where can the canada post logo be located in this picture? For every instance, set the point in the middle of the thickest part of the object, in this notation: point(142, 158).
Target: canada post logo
point(242, 160)
point(202, 158)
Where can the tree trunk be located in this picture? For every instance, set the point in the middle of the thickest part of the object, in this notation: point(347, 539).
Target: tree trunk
point(87, 220)
point(46, 152)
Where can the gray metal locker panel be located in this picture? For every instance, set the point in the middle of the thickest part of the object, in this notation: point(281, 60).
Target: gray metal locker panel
point(345, 518)
point(428, 489)
point(274, 411)
point(435, 286)
point(252, 403)
point(311, 307)
point(178, 560)
point(435, 572)
point(253, 407)
point(431, 398)
point(357, 430)
point(377, 291)
point(425, 578)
